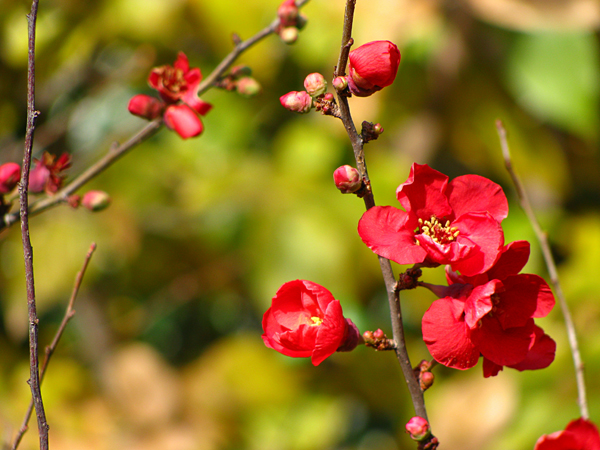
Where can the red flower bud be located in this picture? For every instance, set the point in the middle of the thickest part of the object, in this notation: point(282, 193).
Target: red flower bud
point(418, 428)
point(304, 321)
point(297, 101)
point(347, 179)
point(372, 67)
point(10, 174)
point(315, 84)
point(95, 200)
point(288, 13)
point(145, 106)
point(247, 86)
point(340, 83)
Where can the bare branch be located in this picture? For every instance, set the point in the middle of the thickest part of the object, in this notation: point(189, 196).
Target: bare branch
point(549, 259)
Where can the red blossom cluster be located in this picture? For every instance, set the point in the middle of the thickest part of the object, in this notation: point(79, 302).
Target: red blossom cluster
point(486, 310)
point(177, 86)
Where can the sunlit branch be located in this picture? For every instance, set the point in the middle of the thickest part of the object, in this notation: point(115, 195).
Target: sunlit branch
point(549, 259)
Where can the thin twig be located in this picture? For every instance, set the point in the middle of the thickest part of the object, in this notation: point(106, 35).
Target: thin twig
point(548, 258)
point(34, 380)
point(386, 268)
point(69, 313)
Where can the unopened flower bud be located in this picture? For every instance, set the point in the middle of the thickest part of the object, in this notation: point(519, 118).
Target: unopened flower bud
point(288, 13)
point(418, 428)
point(289, 35)
point(372, 66)
point(347, 179)
point(426, 380)
point(95, 200)
point(340, 83)
point(328, 97)
point(315, 84)
point(247, 86)
point(378, 128)
point(145, 106)
point(297, 101)
point(10, 174)
point(368, 335)
point(379, 334)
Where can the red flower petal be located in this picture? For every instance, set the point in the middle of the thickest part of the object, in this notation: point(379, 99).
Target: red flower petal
point(388, 232)
point(469, 193)
point(183, 120)
point(479, 302)
point(513, 258)
point(541, 354)
point(423, 193)
point(504, 347)
point(447, 336)
point(182, 62)
point(487, 235)
point(524, 295)
point(580, 434)
point(330, 333)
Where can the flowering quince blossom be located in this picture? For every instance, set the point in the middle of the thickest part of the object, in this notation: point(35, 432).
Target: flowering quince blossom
point(304, 321)
point(456, 222)
point(372, 67)
point(177, 87)
point(47, 174)
point(580, 434)
point(491, 315)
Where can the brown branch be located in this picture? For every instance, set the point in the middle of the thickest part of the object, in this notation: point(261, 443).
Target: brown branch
point(386, 268)
point(551, 265)
point(69, 313)
point(34, 381)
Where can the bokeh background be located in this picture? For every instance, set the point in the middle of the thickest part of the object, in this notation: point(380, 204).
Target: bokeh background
point(165, 349)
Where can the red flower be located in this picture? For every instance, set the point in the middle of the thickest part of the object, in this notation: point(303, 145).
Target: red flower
point(372, 67)
point(492, 318)
point(10, 174)
point(304, 320)
point(178, 87)
point(456, 223)
point(47, 174)
point(580, 434)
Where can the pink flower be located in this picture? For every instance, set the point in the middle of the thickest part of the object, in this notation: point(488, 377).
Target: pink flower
point(47, 175)
point(456, 223)
point(580, 434)
point(418, 428)
point(492, 318)
point(372, 67)
point(177, 87)
point(304, 321)
point(10, 174)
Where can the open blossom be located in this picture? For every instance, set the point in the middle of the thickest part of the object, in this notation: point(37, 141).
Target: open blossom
point(491, 315)
point(372, 67)
point(177, 87)
point(456, 222)
point(47, 175)
point(306, 321)
point(580, 434)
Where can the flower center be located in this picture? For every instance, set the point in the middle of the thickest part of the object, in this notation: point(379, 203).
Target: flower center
point(316, 321)
point(440, 233)
point(173, 80)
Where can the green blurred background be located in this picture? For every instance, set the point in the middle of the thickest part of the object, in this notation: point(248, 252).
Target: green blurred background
point(165, 349)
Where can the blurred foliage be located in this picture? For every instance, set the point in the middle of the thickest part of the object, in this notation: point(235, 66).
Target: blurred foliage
point(165, 350)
